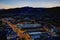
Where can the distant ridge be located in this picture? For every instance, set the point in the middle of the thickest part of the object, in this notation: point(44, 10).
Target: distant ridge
point(26, 9)
point(31, 7)
point(30, 10)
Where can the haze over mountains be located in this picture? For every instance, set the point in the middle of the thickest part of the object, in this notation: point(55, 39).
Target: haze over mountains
point(53, 14)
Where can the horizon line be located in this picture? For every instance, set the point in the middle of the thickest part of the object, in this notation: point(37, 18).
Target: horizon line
point(29, 6)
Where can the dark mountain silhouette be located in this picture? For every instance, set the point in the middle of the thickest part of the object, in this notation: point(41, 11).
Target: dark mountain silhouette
point(53, 14)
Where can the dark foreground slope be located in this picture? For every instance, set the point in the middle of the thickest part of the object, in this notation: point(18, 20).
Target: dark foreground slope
point(52, 15)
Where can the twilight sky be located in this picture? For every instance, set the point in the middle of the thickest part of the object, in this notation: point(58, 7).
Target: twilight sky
point(5, 4)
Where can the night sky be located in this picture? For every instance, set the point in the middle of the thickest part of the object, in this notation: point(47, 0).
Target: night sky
point(5, 4)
